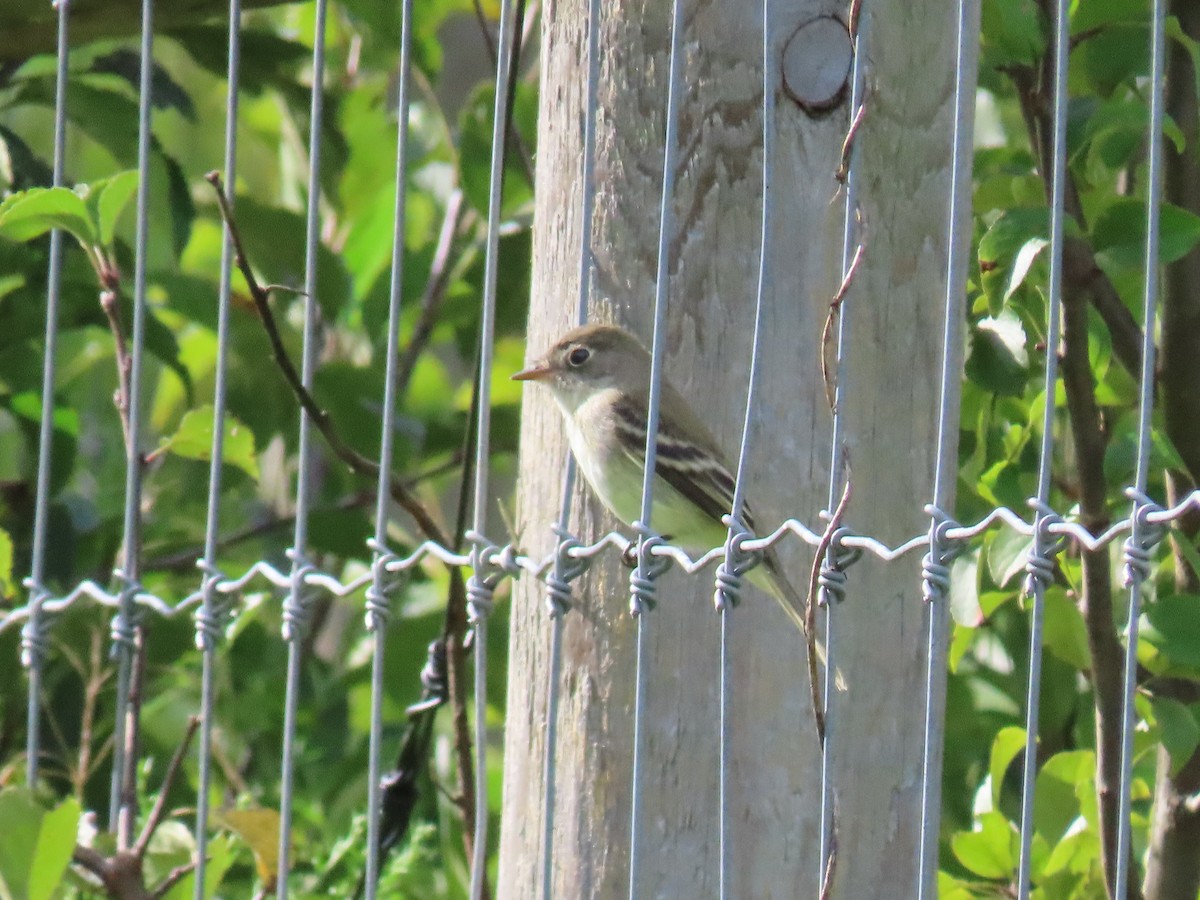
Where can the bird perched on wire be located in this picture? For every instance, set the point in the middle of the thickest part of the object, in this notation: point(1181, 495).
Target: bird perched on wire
point(600, 377)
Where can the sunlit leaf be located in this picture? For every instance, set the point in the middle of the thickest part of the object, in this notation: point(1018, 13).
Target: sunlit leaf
point(1180, 730)
point(38, 844)
point(259, 829)
point(193, 440)
point(29, 214)
point(986, 852)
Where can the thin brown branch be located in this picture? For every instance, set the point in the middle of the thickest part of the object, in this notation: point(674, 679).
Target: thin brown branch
point(160, 802)
point(173, 878)
point(828, 372)
point(435, 291)
point(852, 18)
point(524, 157)
point(108, 303)
point(843, 169)
point(1084, 283)
point(810, 613)
point(831, 862)
point(320, 418)
point(1172, 864)
point(132, 735)
point(91, 860)
point(185, 559)
point(94, 683)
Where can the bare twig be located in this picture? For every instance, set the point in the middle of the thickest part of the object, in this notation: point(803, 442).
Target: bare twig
point(319, 417)
point(843, 169)
point(524, 157)
point(160, 802)
point(835, 310)
point(435, 291)
point(831, 862)
point(454, 632)
point(173, 878)
point(133, 720)
point(108, 303)
point(852, 17)
point(810, 613)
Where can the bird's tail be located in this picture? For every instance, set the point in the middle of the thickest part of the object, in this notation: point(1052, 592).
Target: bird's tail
point(796, 607)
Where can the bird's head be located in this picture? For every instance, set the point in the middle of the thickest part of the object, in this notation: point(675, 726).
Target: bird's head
point(590, 359)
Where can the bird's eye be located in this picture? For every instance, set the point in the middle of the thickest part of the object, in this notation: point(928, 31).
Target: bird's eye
point(579, 356)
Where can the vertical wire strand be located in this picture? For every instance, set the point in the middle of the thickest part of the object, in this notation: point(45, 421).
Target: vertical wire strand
point(1042, 543)
point(945, 468)
point(725, 603)
point(563, 565)
point(295, 607)
point(208, 620)
point(377, 600)
point(837, 462)
point(645, 572)
point(124, 627)
point(32, 638)
point(1154, 188)
point(481, 579)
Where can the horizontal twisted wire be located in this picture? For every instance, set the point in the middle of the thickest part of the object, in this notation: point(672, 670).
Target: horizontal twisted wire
point(511, 561)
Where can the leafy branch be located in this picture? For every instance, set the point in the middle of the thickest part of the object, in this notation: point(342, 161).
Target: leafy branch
point(320, 417)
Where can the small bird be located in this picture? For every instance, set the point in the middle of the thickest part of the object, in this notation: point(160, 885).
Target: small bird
point(600, 377)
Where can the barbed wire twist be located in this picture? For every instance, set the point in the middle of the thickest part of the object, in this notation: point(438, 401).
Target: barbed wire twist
point(943, 550)
point(832, 579)
point(650, 565)
point(1144, 537)
point(1047, 544)
point(566, 568)
point(738, 561)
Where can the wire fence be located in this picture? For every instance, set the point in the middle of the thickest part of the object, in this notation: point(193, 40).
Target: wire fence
point(488, 563)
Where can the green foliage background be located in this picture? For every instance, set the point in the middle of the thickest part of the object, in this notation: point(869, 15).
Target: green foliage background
point(450, 126)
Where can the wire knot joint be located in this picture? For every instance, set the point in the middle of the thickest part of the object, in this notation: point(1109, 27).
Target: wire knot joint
point(298, 605)
point(378, 609)
point(643, 587)
point(831, 580)
point(737, 562)
point(943, 550)
point(1144, 536)
point(34, 639)
point(123, 629)
point(565, 570)
point(1047, 544)
point(210, 616)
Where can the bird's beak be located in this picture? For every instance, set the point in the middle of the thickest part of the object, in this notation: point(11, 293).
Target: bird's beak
point(539, 371)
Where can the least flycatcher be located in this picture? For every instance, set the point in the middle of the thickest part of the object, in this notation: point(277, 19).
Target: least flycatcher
point(600, 377)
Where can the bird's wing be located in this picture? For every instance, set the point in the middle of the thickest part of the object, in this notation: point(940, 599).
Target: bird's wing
point(687, 458)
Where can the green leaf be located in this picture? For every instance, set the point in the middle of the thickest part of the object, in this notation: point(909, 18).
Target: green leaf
point(1065, 634)
point(1009, 741)
point(1023, 262)
point(964, 590)
point(1012, 32)
point(1179, 728)
point(1173, 626)
point(1009, 248)
point(1056, 803)
point(7, 587)
point(1119, 234)
point(111, 199)
point(997, 360)
point(1007, 554)
point(29, 214)
point(37, 844)
point(193, 440)
point(987, 851)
